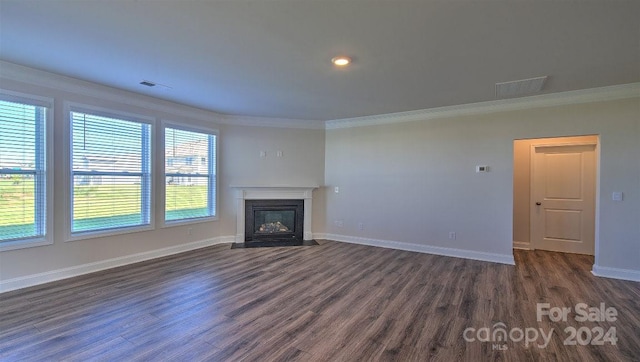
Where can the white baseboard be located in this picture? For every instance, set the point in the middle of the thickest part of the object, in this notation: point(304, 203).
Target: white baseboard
point(616, 273)
point(523, 245)
point(50, 276)
point(420, 248)
point(41, 278)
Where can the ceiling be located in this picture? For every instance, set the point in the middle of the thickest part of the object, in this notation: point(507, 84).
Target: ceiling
point(271, 58)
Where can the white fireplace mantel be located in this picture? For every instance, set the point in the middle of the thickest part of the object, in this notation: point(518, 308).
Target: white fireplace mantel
point(273, 193)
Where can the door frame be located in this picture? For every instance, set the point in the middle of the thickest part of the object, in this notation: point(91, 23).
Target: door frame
point(532, 152)
point(545, 141)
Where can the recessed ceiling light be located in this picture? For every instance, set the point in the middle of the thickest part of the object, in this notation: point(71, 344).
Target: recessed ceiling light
point(341, 61)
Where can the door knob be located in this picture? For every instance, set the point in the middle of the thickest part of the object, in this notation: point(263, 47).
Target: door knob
point(538, 203)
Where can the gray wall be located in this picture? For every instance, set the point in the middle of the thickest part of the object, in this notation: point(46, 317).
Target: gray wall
point(412, 182)
point(415, 182)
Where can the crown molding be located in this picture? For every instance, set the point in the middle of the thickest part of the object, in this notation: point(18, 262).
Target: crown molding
point(32, 76)
point(623, 91)
point(272, 122)
point(23, 74)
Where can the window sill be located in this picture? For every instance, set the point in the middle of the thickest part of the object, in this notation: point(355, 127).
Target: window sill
point(171, 223)
point(24, 243)
point(106, 233)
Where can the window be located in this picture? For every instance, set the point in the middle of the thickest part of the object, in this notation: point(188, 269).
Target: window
point(23, 174)
point(190, 187)
point(110, 173)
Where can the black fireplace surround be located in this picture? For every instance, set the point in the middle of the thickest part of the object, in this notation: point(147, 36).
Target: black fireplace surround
point(273, 221)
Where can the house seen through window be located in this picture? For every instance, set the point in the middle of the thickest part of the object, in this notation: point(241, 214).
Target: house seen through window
point(22, 172)
point(111, 173)
point(190, 189)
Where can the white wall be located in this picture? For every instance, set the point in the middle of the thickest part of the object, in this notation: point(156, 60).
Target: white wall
point(239, 162)
point(301, 164)
point(415, 182)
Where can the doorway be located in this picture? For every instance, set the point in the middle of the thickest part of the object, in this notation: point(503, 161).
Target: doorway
point(554, 187)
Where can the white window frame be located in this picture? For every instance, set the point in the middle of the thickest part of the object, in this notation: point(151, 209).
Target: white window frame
point(47, 213)
point(70, 107)
point(162, 173)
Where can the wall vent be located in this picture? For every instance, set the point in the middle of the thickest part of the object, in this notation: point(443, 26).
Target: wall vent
point(519, 88)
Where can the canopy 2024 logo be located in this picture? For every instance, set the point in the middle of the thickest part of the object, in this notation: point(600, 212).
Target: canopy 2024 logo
point(499, 334)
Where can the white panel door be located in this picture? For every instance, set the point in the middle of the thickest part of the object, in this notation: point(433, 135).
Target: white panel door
point(563, 197)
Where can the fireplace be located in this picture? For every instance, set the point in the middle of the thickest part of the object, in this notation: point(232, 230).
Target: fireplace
point(268, 221)
point(254, 196)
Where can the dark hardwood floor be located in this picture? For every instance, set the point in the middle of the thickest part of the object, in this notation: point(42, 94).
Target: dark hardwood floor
point(333, 302)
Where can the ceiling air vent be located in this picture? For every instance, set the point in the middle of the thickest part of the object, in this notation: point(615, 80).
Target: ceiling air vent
point(147, 83)
point(519, 88)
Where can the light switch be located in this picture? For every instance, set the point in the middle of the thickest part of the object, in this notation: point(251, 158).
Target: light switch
point(263, 154)
point(616, 196)
point(279, 153)
point(336, 190)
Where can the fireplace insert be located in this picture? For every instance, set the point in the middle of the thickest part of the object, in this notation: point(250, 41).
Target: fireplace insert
point(273, 221)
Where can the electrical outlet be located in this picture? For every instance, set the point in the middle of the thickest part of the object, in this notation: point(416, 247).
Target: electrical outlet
point(360, 226)
point(339, 223)
point(452, 235)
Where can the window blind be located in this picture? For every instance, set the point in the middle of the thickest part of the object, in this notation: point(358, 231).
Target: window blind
point(22, 171)
point(111, 173)
point(190, 179)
